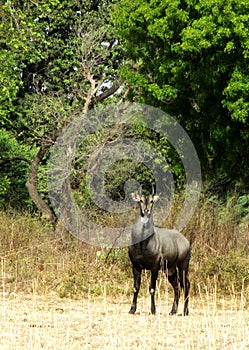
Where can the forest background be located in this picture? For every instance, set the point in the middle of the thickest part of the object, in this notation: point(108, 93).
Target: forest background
point(59, 60)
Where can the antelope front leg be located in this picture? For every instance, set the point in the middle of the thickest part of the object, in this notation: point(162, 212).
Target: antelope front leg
point(137, 282)
point(154, 275)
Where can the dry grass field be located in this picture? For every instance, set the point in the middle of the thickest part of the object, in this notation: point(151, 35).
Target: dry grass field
point(35, 322)
point(58, 293)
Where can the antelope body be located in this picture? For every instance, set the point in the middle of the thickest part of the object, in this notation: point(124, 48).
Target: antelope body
point(153, 248)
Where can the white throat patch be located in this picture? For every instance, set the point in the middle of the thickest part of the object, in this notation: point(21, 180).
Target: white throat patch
point(144, 219)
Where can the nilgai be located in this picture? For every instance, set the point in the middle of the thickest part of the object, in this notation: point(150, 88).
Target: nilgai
point(153, 248)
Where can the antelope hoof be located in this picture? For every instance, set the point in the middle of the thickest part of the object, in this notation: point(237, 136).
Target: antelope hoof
point(172, 313)
point(153, 311)
point(132, 311)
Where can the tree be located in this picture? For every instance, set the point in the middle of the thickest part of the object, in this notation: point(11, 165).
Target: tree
point(191, 59)
point(60, 58)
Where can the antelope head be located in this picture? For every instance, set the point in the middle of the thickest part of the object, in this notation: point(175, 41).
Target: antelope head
point(146, 203)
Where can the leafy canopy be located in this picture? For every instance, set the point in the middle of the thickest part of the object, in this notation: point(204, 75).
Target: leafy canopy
point(191, 58)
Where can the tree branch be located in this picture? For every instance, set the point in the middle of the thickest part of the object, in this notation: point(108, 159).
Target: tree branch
point(111, 90)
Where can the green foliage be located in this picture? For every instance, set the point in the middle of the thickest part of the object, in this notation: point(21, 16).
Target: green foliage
point(236, 94)
point(120, 171)
point(46, 59)
point(188, 57)
point(242, 207)
point(191, 59)
point(54, 55)
point(14, 167)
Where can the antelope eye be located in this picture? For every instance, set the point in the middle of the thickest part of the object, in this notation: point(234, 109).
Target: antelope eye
point(151, 201)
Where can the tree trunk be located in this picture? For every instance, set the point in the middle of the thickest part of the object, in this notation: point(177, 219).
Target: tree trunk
point(31, 184)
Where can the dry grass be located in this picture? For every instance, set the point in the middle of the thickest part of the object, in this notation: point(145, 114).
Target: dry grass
point(34, 322)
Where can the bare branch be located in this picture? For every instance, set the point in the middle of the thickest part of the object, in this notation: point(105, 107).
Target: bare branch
point(111, 90)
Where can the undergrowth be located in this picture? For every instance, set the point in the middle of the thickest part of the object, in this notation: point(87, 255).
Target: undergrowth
point(35, 259)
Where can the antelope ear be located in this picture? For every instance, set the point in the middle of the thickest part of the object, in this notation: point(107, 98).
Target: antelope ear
point(155, 198)
point(135, 197)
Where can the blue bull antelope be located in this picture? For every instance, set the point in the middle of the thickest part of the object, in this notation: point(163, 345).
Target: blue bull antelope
point(153, 248)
